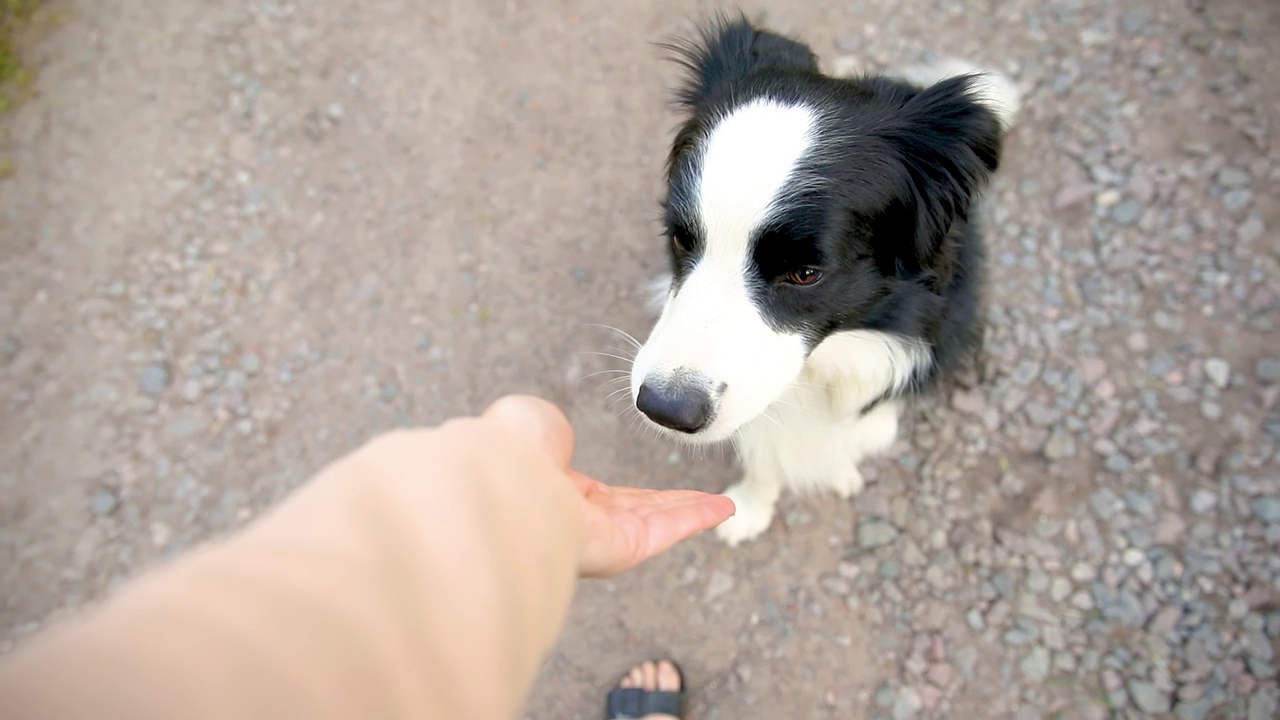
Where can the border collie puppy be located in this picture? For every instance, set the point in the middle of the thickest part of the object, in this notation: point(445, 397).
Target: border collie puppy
point(825, 257)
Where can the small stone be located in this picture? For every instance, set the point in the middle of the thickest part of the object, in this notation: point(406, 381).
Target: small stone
point(873, 533)
point(1127, 212)
point(1237, 200)
point(1203, 501)
point(1083, 572)
point(940, 674)
point(1108, 198)
point(1165, 620)
point(1232, 177)
point(1134, 20)
point(160, 534)
point(1019, 637)
point(1169, 530)
point(1134, 557)
point(105, 502)
point(10, 347)
point(1251, 229)
point(1194, 710)
point(1211, 410)
point(1060, 589)
point(154, 379)
point(1264, 705)
point(906, 705)
point(1059, 446)
point(1268, 371)
point(251, 364)
point(969, 402)
point(235, 380)
point(1271, 426)
point(974, 618)
point(1036, 664)
point(1118, 463)
point(1218, 372)
point(720, 583)
point(1266, 508)
point(1149, 698)
point(1072, 195)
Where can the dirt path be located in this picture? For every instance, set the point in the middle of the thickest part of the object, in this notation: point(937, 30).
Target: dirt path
point(241, 237)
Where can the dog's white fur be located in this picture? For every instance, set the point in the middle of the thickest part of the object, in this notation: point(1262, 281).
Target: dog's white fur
point(710, 325)
point(796, 422)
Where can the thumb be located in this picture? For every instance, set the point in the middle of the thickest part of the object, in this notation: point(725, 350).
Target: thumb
point(537, 420)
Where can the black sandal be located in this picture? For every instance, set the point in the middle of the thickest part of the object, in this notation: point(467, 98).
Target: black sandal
point(633, 703)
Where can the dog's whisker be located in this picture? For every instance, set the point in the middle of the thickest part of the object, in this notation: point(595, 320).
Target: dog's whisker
point(625, 335)
point(615, 371)
point(605, 354)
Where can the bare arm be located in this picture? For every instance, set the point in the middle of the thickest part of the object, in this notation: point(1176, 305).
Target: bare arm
point(423, 576)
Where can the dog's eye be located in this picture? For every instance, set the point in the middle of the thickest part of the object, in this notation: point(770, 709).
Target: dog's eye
point(681, 242)
point(804, 276)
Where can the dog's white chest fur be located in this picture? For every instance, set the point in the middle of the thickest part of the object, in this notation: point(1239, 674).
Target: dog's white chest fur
point(816, 434)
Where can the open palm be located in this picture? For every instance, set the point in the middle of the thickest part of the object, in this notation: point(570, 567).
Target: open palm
point(626, 526)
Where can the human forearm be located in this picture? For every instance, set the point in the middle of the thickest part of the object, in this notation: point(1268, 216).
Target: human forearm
point(361, 596)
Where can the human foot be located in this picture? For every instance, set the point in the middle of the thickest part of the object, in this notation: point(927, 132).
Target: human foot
point(651, 691)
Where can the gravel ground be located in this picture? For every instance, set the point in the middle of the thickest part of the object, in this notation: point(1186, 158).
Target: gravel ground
point(241, 237)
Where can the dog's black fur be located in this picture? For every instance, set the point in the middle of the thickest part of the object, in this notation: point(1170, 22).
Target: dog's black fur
point(883, 211)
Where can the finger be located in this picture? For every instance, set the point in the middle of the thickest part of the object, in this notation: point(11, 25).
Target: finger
point(628, 537)
point(539, 420)
point(682, 521)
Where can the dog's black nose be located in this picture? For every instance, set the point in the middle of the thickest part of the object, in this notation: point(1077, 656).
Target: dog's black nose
point(681, 406)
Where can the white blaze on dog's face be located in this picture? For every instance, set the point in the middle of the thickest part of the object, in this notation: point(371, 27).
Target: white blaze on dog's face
point(715, 360)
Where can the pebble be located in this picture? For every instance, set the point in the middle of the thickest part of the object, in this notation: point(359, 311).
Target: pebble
point(154, 379)
point(1218, 372)
point(1237, 200)
point(1203, 501)
point(906, 705)
point(1266, 509)
point(1083, 572)
point(1268, 371)
point(1264, 706)
point(719, 584)
point(1118, 463)
point(1035, 665)
point(872, 533)
point(1232, 177)
point(1149, 698)
point(105, 501)
point(1060, 589)
point(1059, 446)
point(1127, 212)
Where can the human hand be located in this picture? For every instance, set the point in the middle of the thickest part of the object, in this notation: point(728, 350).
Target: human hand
point(623, 526)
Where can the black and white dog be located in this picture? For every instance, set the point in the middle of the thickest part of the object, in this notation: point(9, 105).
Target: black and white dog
point(825, 257)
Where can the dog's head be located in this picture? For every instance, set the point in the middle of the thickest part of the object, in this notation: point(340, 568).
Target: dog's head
point(798, 206)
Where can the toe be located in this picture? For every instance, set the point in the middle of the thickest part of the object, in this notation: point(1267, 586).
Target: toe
point(668, 677)
point(650, 676)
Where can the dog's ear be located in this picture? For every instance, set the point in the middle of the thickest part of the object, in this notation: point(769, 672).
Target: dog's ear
point(948, 137)
point(729, 48)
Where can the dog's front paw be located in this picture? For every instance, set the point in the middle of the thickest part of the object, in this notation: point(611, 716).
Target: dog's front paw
point(752, 518)
point(848, 485)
